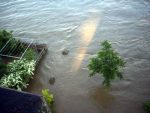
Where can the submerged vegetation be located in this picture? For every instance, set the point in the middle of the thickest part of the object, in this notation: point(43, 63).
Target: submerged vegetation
point(147, 107)
point(49, 98)
point(108, 63)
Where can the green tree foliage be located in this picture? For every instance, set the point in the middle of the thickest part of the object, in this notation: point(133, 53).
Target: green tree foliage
point(4, 37)
point(108, 63)
point(147, 107)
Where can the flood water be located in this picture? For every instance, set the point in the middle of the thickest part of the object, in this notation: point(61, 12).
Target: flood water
point(80, 26)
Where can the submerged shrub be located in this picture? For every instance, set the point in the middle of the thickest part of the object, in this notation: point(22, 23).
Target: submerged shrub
point(147, 107)
point(108, 63)
point(48, 96)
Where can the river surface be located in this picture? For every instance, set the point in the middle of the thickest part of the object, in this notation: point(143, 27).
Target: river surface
point(80, 26)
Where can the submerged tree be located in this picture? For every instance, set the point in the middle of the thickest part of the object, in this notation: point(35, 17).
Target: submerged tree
point(108, 63)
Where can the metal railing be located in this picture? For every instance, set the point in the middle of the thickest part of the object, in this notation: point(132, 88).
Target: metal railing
point(17, 48)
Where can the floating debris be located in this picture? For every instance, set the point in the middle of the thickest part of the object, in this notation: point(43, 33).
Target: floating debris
point(52, 80)
point(65, 52)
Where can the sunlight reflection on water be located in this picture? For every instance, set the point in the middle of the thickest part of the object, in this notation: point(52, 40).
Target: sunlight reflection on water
point(87, 31)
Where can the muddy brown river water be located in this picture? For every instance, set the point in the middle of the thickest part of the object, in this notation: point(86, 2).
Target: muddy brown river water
point(80, 26)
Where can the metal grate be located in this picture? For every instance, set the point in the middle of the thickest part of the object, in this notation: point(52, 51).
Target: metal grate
point(16, 48)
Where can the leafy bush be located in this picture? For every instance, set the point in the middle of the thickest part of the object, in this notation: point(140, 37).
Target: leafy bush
point(107, 62)
point(147, 107)
point(4, 37)
point(23, 67)
point(13, 81)
point(30, 54)
point(14, 43)
point(19, 73)
point(17, 44)
point(48, 96)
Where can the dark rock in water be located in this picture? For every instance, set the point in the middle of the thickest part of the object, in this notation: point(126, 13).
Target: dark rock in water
point(65, 52)
point(52, 80)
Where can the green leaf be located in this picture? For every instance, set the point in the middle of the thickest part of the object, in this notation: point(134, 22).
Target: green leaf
point(48, 96)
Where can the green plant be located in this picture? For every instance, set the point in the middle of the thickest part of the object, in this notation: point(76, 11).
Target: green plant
point(4, 37)
point(108, 63)
point(25, 67)
point(147, 106)
point(13, 81)
point(49, 98)
point(30, 54)
point(19, 74)
point(13, 43)
point(17, 44)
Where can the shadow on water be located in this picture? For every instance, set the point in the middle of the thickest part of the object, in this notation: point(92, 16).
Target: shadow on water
point(102, 97)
